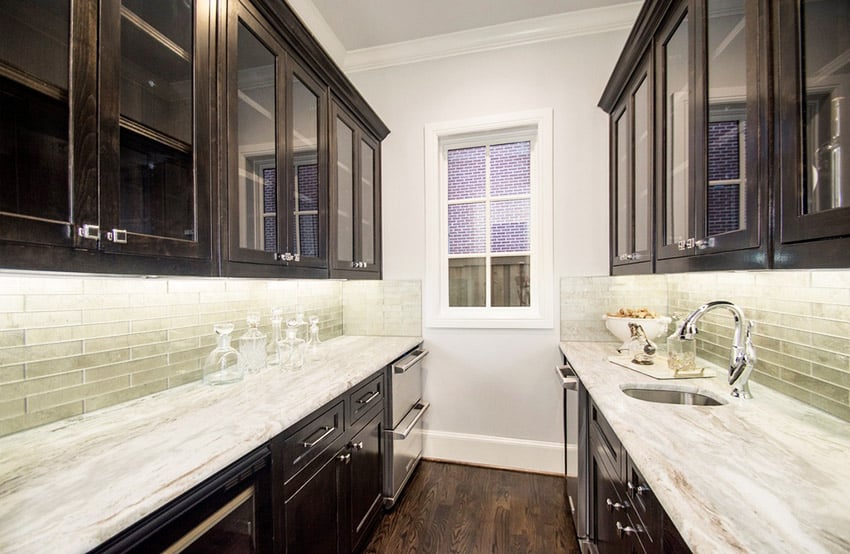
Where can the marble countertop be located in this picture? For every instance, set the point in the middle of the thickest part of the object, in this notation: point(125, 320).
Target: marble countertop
point(73, 484)
point(765, 475)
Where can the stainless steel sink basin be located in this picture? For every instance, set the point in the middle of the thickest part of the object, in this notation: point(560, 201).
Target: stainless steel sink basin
point(671, 395)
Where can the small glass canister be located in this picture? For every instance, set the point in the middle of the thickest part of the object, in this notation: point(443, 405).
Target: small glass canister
point(223, 365)
point(252, 346)
point(681, 353)
point(291, 349)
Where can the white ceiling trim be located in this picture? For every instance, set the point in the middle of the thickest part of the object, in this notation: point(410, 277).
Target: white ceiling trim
point(528, 31)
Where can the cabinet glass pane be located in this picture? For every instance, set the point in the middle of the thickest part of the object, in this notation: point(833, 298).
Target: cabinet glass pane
point(642, 175)
point(826, 69)
point(367, 203)
point(156, 70)
point(231, 530)
point(677, 142)
point(35, 36)
point(345, 191)
point(305, 146)
point(727, 114)
point(157, 188)
point(34, 123)
point(256, 118)
point(622, 183)
point(157, 194)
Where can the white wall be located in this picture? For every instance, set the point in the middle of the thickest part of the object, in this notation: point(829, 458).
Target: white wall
point(489, 385)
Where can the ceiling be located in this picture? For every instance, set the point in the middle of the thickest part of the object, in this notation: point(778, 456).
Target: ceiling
point(367, 23)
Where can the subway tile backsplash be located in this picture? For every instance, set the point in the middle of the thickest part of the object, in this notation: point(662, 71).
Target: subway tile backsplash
point(72, 344)
point(802, 318)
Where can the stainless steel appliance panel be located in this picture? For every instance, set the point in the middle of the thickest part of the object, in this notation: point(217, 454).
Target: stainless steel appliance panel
point(406, 378)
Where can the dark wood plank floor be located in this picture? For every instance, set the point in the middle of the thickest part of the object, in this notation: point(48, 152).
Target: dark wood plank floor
point(450, 508)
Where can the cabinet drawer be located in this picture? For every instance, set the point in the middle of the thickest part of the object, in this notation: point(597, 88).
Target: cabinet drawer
point(607, 440)
point(365, 398)
point(312, 438)
point(646, 507)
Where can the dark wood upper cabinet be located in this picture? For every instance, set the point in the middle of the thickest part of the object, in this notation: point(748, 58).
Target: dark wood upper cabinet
point(813, 166)
point(355, 199)
point(632, 176)
point(181, 138)
point(276, 137)
point(711, 133)
point(154, 96)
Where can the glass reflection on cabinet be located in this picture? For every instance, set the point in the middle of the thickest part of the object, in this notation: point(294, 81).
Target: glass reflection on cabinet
point(825, 50)
point(256, 147)
point(345, 191)
point(727, 113)
point(367, 203)
point(642, 168)
point(305, 145)
point(677, 136)
point(621, 132)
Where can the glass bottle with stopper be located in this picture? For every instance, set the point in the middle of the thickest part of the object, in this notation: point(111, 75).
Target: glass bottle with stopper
point(223, 366)
point(272, 350)
point(291, 348)
point(314, 354)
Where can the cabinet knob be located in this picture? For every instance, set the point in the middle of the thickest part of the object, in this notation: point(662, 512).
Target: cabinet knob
point(615, 506)
point(344, 458)
point(356, 445)
point(702, 244)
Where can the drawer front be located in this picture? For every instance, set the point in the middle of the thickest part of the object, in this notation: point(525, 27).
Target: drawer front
point(313, 438)
point(608, 440)
point(647, 508)
point(366, 397)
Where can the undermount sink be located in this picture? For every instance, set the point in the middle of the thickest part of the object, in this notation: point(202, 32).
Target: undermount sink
point(671, 395)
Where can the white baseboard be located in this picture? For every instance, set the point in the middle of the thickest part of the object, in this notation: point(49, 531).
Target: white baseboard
point(525, 455)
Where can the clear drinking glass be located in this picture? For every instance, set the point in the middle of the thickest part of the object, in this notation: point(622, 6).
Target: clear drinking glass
point(223, 365)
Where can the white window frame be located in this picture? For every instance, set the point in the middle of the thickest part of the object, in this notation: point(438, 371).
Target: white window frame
point(535, 126)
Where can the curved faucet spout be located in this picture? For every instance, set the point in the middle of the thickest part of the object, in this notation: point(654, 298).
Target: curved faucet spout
point(742, 356)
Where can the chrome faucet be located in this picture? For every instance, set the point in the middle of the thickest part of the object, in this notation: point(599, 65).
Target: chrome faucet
point(743, 356)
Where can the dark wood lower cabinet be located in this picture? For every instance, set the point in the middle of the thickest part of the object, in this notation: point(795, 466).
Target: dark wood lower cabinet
point(365, 480)
point(626, 517)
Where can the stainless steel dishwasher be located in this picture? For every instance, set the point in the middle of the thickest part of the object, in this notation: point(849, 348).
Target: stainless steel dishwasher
point(403, 422)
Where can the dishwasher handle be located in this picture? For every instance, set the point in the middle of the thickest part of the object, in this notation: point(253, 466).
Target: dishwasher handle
point(409, 361)
point(567, 375)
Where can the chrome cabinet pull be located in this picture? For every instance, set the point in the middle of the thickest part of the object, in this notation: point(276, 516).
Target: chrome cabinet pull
point(118, 236)
point(356, 445)
point(422, 407)
point(569, 380)
point(89, 231)
point(327, 431)
point(702, 244)
point(636, 490)
point(627, 530)
point(615, 506)
point(344, 458)
point(369, 397)
point(690, 242)
point(417, 355)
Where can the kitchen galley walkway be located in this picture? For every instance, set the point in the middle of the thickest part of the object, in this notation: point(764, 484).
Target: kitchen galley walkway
point(451, 508)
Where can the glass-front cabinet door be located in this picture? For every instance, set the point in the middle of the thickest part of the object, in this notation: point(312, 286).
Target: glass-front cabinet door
point(814, 77)
point(276, 134)
point(355, 222)
point(631, 139)
point(36, 184)
point(155, 159)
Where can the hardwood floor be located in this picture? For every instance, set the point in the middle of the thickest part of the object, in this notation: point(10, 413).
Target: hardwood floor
point(450, 508)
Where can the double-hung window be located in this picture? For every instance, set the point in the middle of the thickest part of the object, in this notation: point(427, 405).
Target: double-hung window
point(489, 222)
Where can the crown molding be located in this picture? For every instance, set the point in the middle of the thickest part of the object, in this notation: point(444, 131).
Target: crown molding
point(313, 20)
point(517, 33)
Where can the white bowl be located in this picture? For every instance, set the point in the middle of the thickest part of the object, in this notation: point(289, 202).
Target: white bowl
point(653, 327)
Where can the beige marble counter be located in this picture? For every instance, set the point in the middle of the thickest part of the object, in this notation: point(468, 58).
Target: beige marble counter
point(68, 486)
point(765, 475)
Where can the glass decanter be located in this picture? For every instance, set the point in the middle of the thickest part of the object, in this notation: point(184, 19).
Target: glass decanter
point(252, 346)
point(291, 349)
point(272, 351)
point(223, 365)
point(314, 354)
